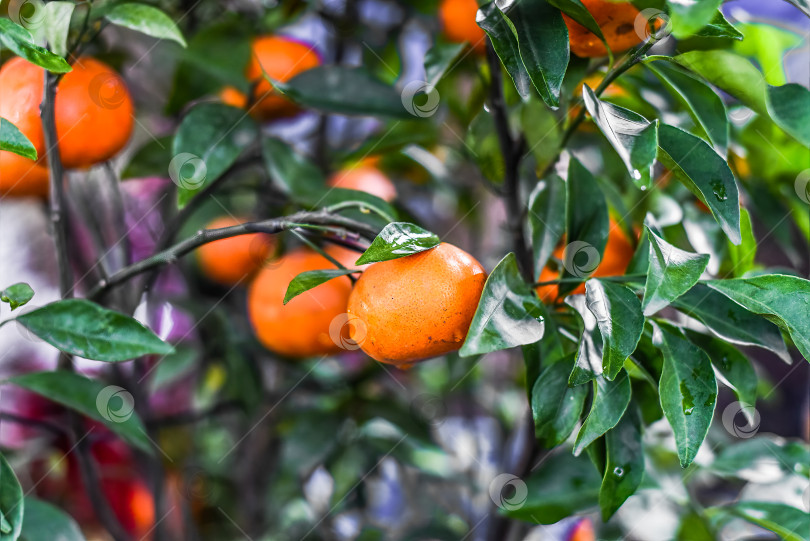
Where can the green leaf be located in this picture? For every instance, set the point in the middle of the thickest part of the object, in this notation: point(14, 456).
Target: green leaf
point(789, 523)
point(398, 239)
point(556, 407)
point(83, 328)
point(610, 400)
point(689, 17)
point(353, 91)
point(624, 469)
point(508, 314)
point(147, 20)
point(439, 59)
point(482, 141)
point(562, 486)
point(620, 320)
point(748, 458)
point(307, 280)
point(784, 300)
point(11, 502)
point(505, 43)
point(633, 137)
point(694, 527)
point(688, 390)
point(578, 12)
point(734, 368)
point(57, 25)
point(543, 132)
point(17, 295)
point(45, 521)
point(589, 357)
point(92, 398)
point(730, 321)
point(543, 43)
point(150, 160)
point(768, 44)
point(208, 141)
point(707, 175)
point(743, 255)
point(672, 273)
point(719, 27)
point(21, 43)
point(789, 106)
point(15, 141)
point(704, 105)
point(546, 218)
point(587, 224)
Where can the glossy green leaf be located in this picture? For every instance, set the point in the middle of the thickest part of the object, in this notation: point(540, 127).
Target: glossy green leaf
point(610, 400)
point(83, 328)
point(307, 280)
point(693, 162)
point(45, 521)
point(789, 523)
point(546, 218)
point(767, 45)
point(587, 224)
point(624, 468)
point(11, 502)
point(543, 43)
point(784, 300)
point(719, 27)
point(688, 390)
point(689, 17)
point(589, 351)
point(743, 255)
point(562, 486)
point(15, 141)
point(672, 273)
point(21, 43)
point(110, 405)
point(704, 105)
point(439, 60)
point(147, 20)
point(748, 459)
point(633, 137)
point(730, 321)
point(208, 141)
point(790, 104)
point(508, 314)
point(398, 239)
point(505, 43)
point(17, 295)
point(733, 368)
point(556, 407)
point(56, 25)
point(354, 91)
point(620, 320)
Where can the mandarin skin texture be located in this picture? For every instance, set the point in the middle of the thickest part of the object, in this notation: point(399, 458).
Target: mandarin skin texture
point(617, 22)
point(416, 307)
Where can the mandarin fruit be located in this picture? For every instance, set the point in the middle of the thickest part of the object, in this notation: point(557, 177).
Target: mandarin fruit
point(281, 58)
point(458, 23)
point(416, 307)
point(229, 261)
point(301, 328)
point(230, 95)
point(582, 531)
point(615, 19)
point(366, 179)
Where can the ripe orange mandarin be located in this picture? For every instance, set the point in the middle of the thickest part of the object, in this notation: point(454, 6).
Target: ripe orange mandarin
point(617, 256)
point(583, 531)
point(615, 19)
point(458, 23)
point(366, 179)
point(416, 307)
point(281, 59)
point(301, 328)
point(229, 261)
point(230, 95)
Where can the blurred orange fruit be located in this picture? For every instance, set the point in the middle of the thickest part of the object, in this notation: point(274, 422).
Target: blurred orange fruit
point(617, 256)
point(230, 95)
point(304, 326)
point(229, 261)
point(458, 23)
point(281, 59)
point(615, 19)
point(416, 307)
point(367, 179)
point(583, 531)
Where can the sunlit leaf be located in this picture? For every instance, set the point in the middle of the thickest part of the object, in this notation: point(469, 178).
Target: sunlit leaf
point(147, 20)
point(620, 320)
point(307, 280)
point(398, 239)
point(20, 42)
point(17, 295)
point(672, 273)
point(505, 43)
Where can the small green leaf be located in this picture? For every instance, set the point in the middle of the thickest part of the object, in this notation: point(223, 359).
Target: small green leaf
point(784, 300)
point(307, 280)
point(546, 218)
point(672, 273)
point(719, 27)
point(11, 502)
point(789, 523)
point(83, 328)
point(707, 175)
point(439, 59)
point(689, 17)
point(92, 398)
point(15, 141)
point(57, 25)
point(45, 521)
point(147, 20)
point(588, 364)
point(620, 320)
point(688, 390)
point(743, 255)
point(508, 314)
point(505, 43)
point(748, 457)
point(20, 42)
point(208, 141)
point(556, 407)
point(624, 469)
point(734, 368)
point(610, 400)
point(398, 239)
point(633, 137)
point(17, 295)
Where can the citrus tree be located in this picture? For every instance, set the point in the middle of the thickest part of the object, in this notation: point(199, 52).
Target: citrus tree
point(266, 326)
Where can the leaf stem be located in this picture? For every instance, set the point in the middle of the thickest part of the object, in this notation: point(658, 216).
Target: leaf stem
point(360, 205)
point(321, 251)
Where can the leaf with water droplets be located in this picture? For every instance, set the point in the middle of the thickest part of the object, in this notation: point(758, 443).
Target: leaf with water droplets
point(398, 239)
point(624, 466)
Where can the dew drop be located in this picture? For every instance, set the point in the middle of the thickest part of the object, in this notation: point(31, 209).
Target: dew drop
point(719, 190)
point(618, 471)
point(636, 174)
point(458, 336)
